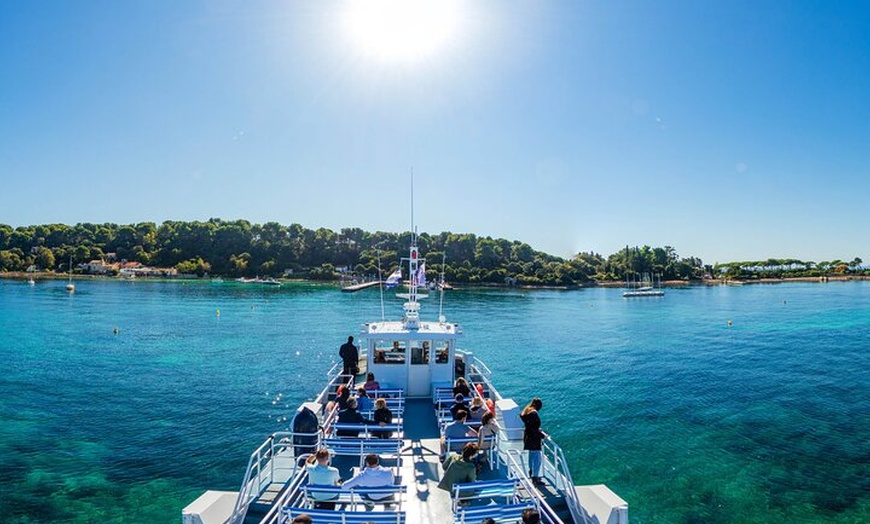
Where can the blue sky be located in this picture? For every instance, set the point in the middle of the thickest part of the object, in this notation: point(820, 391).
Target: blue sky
point(729, 130)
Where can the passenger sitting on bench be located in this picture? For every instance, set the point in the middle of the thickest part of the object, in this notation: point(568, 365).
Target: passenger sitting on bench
point(458, 405)
point(373, 476)
point(461, 387)
point(477, 409)
point(459, 468)
point(321, 473)
point(342, 395)
point(456, 429)
point(531, 516)
point(371, 383)
point(350, 416)
point(382, 416)
point(302, 519)
point(363, 400)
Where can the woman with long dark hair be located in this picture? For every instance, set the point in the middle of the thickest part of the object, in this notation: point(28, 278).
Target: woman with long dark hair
point(532, 437)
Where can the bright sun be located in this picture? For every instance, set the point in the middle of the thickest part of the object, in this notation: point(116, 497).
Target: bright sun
point(402, 30)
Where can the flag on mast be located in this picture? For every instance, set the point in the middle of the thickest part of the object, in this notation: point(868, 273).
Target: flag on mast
point(420, 276)
point(394, 278)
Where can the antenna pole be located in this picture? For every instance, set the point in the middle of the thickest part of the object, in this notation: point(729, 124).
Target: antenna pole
point(381, 286)
point(441, 299)
point(412, 205)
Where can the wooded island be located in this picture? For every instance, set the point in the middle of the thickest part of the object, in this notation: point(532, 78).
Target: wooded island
point(239, 248)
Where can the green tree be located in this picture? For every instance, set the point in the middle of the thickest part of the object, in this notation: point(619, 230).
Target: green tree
point(44, 259)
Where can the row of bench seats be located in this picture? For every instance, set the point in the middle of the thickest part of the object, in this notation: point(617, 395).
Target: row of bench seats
point(330, 516)
point(491, 450)
point(372, 431)
point(472, 502)
point(395, 402)
point(502, 514)
point(496, 499)
point(355, 497)
point(385, 449)
point(387, 393)
point(444, 397)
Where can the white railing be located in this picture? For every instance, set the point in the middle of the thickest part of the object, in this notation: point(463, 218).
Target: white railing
point(260, 472)
point(517, 470)
point(478, 367)
point(292, 496)
point(253, 472)
point(562, 477)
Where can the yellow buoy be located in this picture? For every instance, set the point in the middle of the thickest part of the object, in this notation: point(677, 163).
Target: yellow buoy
point(217, 312)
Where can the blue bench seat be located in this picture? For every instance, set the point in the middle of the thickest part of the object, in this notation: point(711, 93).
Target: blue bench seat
point(502, 514)
point(330, 516)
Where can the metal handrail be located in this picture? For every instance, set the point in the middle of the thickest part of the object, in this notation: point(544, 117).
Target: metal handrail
point(517, 471)
point(254, 464)
point(252, 485)
point(484, 373)
point(483, 367)
point(293, 491)
point(562, 475)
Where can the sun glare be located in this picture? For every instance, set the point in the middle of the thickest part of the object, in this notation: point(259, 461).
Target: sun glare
point(402, 30)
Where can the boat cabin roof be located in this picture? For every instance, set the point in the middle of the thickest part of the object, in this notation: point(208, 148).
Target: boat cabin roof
point(398, 329)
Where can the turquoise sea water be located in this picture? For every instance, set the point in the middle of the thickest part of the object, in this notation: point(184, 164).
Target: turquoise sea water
point(688, 419)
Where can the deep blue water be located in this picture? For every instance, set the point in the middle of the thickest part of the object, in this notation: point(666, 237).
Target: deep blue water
point(687, 418)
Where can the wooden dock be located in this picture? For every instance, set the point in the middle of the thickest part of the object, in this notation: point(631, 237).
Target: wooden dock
point(356, 287)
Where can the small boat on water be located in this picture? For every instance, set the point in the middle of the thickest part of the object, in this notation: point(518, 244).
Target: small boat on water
point(416, 363)
point(439, 285)
point(70, 286)
point(358, 286)
point(269, 281)
point(646, 288)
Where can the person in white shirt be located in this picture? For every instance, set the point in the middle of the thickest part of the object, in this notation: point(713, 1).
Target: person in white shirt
point(373, 476)
point(322, 474)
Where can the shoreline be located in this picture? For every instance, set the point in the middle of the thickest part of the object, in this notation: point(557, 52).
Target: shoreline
point(23, 275)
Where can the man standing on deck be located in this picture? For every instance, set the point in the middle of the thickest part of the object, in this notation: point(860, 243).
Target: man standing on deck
point(350, 356)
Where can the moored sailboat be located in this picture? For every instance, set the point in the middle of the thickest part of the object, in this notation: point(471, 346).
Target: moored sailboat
point(70, 286)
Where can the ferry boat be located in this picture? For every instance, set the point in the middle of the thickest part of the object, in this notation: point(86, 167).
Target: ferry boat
point(415, 363)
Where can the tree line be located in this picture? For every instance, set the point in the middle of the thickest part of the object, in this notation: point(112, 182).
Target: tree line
point(237, 248)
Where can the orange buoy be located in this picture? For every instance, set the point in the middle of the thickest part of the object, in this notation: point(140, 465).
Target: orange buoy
point(479, 388)
point(490, 405)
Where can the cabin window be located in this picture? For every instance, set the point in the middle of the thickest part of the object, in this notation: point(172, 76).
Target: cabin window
point(389, 352)
point(442, 352)
point(420, 352)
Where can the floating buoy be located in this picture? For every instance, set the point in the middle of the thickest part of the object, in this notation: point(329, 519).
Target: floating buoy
point(217, 312)
point(116, 330)
point(729, 323)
